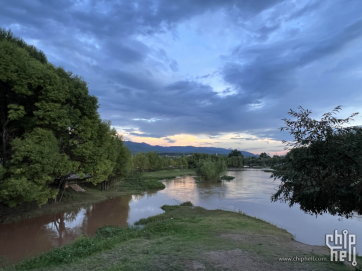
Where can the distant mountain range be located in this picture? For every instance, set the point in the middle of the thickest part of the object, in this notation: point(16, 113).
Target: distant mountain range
point(144, 147)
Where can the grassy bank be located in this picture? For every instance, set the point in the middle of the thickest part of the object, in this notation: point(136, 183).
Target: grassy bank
point(73, 200)
point(150, 180)
point(186, 238)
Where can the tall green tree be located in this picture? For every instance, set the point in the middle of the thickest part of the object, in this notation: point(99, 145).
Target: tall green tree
point(235, 161)
point(50, 126)
point(235, 153)
point(264, 155)
point(323, 170)
point(154, 160)
point(140, 162)
point(123, 164)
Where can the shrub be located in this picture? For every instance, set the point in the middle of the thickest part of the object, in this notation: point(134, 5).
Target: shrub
point(208, 170)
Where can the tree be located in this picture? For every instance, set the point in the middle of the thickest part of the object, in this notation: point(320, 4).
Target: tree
point(235, 153)
point(209, 170)
point(323, 170)
point(49, 127)
point(30, 181)
point(140, 162)
point(123, 162)
point(184, 163)
point(155, 160)
point(235, 161)
point(264, 155)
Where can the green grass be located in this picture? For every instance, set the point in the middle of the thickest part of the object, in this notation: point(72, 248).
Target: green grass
point(168, 208)
point(150, 180)
point(176, 240)
point(169, 173)
point(139, 185)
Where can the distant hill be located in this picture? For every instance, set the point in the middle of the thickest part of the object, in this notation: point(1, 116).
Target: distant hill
point(144, 147)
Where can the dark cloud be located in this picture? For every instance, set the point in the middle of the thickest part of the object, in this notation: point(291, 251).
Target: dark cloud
point(126, 53)
point(169, 140)
point(284, 54)
point(244, 138)
point(304, 10)
point(146, 135)
point(209, 75)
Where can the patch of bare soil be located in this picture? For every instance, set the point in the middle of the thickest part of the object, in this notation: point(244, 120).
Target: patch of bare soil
point(239, 260)
point(288, 244)
point(274, 248)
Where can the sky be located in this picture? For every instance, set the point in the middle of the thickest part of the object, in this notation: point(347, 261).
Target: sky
point(215, 73)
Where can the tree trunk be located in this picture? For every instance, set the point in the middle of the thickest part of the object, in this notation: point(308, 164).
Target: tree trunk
point(4, 122)
point(61, 187)
point(4, 147)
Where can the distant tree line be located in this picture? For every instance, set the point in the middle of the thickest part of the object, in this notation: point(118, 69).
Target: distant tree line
point(152, 161)
point(236, 160)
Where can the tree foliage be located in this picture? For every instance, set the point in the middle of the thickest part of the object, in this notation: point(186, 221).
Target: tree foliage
point(209, 170)
point(140, 162)
point(154, 160)
point(323, 170)
point(264, 155)
point(235, 162)
point(32, 50)
point(50, 127)
point(235, 153)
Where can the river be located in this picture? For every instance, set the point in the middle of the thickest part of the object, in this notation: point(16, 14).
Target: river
point(249, 193)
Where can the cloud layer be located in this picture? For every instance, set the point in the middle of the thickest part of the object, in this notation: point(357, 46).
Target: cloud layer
point(211, 69)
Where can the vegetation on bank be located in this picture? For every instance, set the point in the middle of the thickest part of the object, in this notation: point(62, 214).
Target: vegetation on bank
point(50, 128)
point(323, 171)
point(227, 178)
point(137, 183)
point(72, 200)
point(182, 238)
point(208, 170)
point(152, 161)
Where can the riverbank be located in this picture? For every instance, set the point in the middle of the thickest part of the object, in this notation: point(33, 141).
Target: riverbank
point(73, 200)
point(187, 238)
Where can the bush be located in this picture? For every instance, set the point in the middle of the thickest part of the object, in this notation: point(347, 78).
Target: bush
point(208, 170)
point(227, 178)
point(168, 208)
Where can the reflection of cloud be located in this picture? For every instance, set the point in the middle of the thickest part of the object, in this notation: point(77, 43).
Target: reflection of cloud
point(137, 197)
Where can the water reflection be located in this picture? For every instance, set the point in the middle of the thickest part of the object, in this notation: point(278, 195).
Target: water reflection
point(249, 192)
point(35, 235)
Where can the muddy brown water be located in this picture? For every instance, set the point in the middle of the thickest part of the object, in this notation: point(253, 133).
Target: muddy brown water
point(249, 192)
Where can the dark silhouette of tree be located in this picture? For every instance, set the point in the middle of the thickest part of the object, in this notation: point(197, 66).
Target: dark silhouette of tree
point(323, 170)
point(264, 155)
point(235, 153)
